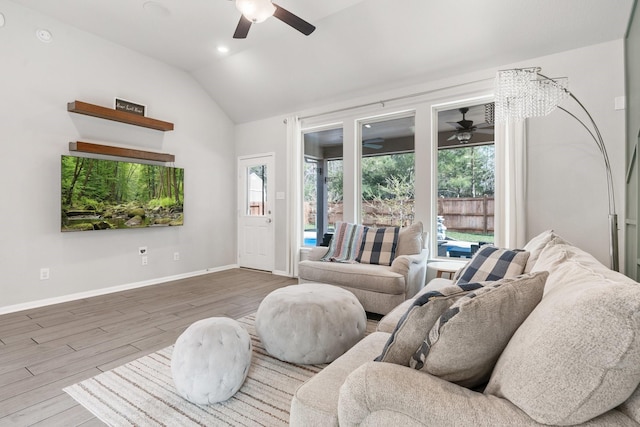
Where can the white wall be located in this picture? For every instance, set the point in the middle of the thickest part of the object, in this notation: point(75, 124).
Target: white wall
point(36, 82)
point(567, 186)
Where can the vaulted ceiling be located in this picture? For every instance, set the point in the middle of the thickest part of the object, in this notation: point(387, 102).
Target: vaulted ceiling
point(359, 47)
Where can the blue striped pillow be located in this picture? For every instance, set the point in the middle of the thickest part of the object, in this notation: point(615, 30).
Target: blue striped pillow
point(491, 264)
point(378, 245)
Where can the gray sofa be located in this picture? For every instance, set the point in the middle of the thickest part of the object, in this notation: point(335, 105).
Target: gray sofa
point(574, 361)
point(379, 288)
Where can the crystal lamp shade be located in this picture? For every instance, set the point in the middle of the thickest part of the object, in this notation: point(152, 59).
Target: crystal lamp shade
point(522, 93)
point(256, 10)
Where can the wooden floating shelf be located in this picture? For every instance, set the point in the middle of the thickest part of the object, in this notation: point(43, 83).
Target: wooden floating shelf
point(87, 147)
point(117, 116)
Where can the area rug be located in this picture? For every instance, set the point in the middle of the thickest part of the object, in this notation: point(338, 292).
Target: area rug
point(141, 393)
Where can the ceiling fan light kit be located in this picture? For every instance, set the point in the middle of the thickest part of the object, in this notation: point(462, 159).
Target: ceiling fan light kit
point(463, 137)
point(256, 11)
point(465, 128)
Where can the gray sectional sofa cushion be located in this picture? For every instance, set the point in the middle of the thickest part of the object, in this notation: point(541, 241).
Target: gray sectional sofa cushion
point(315, 403)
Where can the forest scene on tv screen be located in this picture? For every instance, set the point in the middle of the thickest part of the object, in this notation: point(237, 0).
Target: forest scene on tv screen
point(101, 194)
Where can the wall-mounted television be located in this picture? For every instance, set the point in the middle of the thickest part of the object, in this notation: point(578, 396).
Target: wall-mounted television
point(99, 194)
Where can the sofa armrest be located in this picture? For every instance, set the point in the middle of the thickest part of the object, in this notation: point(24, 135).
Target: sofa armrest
point(380, 393)
point(414, 270)
point(317, 252)
point(402, 263)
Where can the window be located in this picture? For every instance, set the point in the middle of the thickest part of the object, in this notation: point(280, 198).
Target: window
point(465, 180)
point(387, 168)
point(257, 191)
point(322, 184)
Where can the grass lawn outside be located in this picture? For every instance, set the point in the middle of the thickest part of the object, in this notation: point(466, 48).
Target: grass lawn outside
point(470, 237)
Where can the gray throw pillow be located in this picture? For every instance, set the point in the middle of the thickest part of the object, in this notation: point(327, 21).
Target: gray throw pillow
point(410, 240)
point(466, 341)
point(414, 325)
point(491, 263)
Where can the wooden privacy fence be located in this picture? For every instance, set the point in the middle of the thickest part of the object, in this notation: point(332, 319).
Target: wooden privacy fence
point(470, 215)
point(475, 215)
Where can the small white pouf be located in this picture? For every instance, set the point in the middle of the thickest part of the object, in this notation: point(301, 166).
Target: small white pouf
point(311, 323)
point(210, 360)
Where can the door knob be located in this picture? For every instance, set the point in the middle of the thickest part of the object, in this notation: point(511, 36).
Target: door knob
point(268, 220)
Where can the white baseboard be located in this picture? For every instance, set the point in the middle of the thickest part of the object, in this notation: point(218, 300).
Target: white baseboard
point(281, 273)
point(110, 290)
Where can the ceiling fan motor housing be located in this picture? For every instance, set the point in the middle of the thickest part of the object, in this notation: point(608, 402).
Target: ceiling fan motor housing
point(256, 10)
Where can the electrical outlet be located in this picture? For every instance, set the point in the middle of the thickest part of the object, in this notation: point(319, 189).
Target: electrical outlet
point(145, 260)
point(142, 250)
point(176, 256)
point(44, 274)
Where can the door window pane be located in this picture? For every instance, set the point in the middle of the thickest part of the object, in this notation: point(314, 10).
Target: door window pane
point(257, 203)
point(466, 180)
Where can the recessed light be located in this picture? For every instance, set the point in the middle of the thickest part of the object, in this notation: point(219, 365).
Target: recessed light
point(1, 20)
point(368, 126)
point(223, 49)
point(44, 36)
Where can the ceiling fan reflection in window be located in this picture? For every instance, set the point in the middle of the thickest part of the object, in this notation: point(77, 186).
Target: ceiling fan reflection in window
point(465, 128)
point(373, 143)
point(256, 11)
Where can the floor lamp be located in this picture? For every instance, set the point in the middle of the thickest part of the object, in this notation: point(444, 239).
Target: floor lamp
point(525, 92)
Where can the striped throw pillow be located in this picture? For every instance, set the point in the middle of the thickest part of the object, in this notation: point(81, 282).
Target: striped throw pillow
point(378, 246)
point(491, 263)
point(345, 243)
point(465, 343)
point(416, 323)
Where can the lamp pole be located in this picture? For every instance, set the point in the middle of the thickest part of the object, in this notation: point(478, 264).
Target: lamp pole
point(614, 256)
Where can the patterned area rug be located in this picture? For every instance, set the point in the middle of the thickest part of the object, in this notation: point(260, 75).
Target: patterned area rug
point(141, 393)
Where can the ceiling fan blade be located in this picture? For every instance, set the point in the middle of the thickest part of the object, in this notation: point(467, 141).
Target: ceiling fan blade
point(484, 131)
point(290, 19)
point(372, 146)
point(484, 125)
point(452, 137)
point(242, 29)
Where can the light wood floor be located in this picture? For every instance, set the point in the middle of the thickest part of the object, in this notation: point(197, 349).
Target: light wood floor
point(46, 349)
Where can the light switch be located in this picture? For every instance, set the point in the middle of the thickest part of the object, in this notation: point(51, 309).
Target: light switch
point(619, 102)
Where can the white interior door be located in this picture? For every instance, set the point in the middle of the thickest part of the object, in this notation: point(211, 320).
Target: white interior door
point(255, 212)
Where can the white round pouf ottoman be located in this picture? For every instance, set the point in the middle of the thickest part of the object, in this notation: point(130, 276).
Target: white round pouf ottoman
point(210, 360)
point(311, 323)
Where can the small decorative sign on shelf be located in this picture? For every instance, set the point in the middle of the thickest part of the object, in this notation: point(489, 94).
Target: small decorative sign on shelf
point(130, 107)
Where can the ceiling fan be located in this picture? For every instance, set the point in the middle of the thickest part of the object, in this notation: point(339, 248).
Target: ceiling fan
point(373, 143)
point(255, 11)
point(465, 128)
